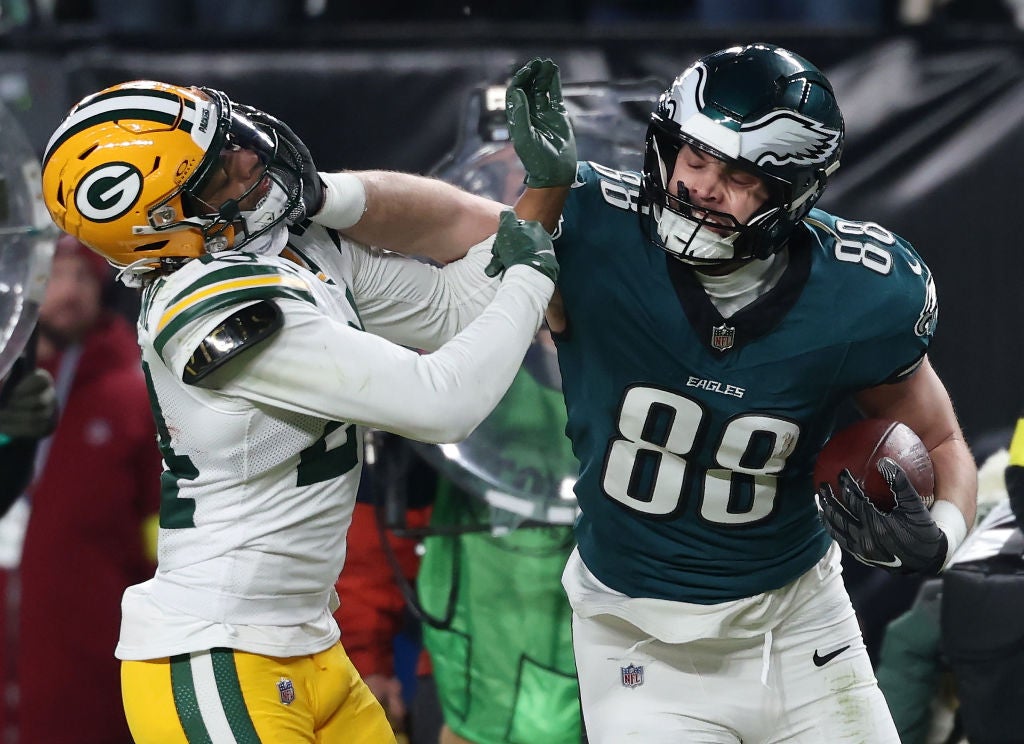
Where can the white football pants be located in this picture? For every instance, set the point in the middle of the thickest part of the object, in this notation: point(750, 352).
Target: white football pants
point(807, 681)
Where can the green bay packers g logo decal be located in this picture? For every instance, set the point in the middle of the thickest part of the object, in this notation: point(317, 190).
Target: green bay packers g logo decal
point(109, 191)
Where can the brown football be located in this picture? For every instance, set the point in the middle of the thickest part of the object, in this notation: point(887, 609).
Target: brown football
point(859, 448)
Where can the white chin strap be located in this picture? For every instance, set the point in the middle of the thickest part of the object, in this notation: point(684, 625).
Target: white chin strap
point(691, 242)
point(270, 211)
point(270, 243)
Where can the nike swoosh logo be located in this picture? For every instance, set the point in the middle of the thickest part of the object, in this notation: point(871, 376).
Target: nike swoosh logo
point(820, 661)
point(894, 563)
point(914, 265)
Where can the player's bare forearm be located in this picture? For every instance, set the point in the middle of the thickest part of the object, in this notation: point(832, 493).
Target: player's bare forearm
point(542, 205)
point(421, 216)
point(956, 476)
point(923, 404)
point(545, 206)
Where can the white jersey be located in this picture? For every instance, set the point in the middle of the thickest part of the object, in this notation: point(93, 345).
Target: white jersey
point(262, 460)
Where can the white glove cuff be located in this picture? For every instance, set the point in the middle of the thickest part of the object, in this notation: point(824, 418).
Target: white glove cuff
point(950, 520)
point(344, 201)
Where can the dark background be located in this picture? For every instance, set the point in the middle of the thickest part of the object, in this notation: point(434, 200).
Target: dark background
point(935, 118)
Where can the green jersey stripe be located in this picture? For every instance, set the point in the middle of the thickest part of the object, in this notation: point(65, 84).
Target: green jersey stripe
point(231, 700)
point(223, 300)
point(238, 271)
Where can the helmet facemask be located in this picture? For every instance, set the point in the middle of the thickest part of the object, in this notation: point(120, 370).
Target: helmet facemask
point(227, 225)
point(697, 234)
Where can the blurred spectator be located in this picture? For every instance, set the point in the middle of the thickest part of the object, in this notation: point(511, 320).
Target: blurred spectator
point(1001, 12)
point(218, 16)
point(352, 11)
point(497, 624)
point(83, 520)
point(915, 671)
point(373, 612)
point(500, 638)
point(831, 14)
point(731, 13)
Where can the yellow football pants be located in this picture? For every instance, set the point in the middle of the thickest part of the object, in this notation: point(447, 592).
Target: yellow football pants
point(223, 696)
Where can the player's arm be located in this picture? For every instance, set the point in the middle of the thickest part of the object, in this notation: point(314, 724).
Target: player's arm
point(406, 213)
point(418, 304)
point(423, 307)
point(318, 365)
point(910, 538)
point(542, 135)
point(423, 216)
point(923, 404)
point(400, 212)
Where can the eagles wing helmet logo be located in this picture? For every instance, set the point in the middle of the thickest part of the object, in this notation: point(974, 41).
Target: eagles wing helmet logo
point(778, 138)
point(785, 137)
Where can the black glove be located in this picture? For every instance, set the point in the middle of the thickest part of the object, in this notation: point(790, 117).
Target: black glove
point(296, 155)
point(904, 540)
point(29, 410)
point(522, 242)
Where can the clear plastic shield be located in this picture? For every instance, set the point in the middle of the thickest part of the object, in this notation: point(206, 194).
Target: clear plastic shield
point(27, 238)
point(519, 461)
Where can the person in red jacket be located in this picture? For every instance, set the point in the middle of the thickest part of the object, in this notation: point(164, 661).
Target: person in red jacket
point(84, 519)
point(373, 611)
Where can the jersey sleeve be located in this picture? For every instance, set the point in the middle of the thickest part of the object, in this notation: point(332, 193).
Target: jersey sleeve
point(595, 188)
point(884, 294)
point(324, 367)
point(418, 304)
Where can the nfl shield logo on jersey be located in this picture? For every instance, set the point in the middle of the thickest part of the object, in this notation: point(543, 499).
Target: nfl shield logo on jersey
point(722, 337)
point(286, 690)
point(632, 675)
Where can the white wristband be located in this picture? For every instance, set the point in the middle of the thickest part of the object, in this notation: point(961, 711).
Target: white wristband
point(950, 520)
point(344, 201)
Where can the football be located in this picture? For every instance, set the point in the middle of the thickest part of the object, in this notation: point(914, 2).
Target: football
point(859, 448)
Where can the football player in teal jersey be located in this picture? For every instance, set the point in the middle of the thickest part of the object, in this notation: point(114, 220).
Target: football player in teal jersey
point(710, 322)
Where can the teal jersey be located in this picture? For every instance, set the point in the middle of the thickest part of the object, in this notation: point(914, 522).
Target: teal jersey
point(697, 435)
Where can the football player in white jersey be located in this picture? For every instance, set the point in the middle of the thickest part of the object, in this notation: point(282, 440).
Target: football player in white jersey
point(268, 342)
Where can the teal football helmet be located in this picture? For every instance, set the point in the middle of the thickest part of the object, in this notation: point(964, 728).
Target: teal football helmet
point(761, 109)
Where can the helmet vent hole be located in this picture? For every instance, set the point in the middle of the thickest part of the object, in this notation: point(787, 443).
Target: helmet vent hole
point(60, 195)
point(87, 153)
point(150, 246)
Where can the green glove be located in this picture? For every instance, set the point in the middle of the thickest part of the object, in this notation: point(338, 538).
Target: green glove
point(539, 127)
point(522, 242)
point(30, 411)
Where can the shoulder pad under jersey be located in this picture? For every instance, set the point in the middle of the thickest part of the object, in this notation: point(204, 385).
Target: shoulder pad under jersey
point(243, 329)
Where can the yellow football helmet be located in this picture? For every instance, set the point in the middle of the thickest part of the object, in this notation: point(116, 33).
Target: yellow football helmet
point(123, 170)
